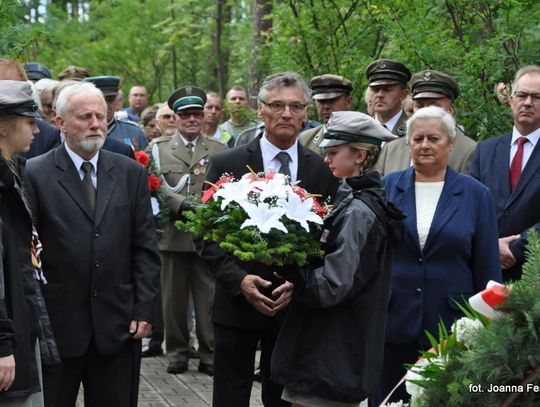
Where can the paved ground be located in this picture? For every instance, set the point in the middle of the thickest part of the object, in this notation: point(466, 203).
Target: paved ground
point(191, 389)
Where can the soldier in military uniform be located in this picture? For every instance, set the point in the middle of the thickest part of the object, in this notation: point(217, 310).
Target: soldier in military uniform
point(124, 131)
point(331, 93)
point(388, 89)
point(183, 160)
point(429, 88)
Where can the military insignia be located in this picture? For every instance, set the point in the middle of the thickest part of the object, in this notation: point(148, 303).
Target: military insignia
point(317, 138)
point(203, 161)
point(189, 90)
point(381, 65)
point(134, 141)
point(324, 236)
point(203, 170)
point(427, 75)
point(402, 130)
point(196, 171)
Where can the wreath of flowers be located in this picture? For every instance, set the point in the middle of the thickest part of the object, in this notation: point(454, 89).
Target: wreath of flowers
point(491, 357)
point(258, 217)
point(157, 194)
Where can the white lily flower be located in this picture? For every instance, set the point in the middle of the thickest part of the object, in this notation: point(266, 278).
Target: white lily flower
point(263, 217)
point(233, 192)
point(272, 188)
point(300, 211)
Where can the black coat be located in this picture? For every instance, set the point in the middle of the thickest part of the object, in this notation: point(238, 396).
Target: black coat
point(230, 306)
point(331, 342)
point(20, 313)
point(103, 268)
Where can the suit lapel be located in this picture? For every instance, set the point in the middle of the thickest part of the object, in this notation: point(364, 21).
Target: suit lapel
point(179, 150)
point(255, 159)
point(531, 169)
point(303, 173)
point(71, 181)
point(105, 185)
point(446, 207)
point(406, 201)
point(501, 155)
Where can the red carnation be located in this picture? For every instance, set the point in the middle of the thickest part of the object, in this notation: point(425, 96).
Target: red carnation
point(153, 183)
point(142, 158)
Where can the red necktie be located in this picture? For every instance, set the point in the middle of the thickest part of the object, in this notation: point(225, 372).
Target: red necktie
point(517, 162)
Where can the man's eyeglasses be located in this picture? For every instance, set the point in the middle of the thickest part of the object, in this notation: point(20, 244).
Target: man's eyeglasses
point(186, 115)
point(279, 107)
point(167, 116)
point(523, 96)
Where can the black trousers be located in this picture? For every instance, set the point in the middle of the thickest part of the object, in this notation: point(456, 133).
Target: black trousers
point(234, 361)
point(108, 381)
point(395, 356)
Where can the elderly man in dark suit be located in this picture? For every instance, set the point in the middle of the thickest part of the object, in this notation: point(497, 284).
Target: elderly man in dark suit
point(250, 299)
point(509, 166)
point(93, 212)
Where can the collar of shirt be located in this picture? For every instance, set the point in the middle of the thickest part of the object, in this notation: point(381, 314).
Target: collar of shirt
point(527, 147)
point(78, 160)
point(187, 141)
point(269, 152)
point(390, 124)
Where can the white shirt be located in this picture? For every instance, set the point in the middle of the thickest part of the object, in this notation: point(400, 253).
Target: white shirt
point(527, 147)
point(78, 161)
point(269, 152)
point(390, 124)
point(427, 196)
point(186, 142)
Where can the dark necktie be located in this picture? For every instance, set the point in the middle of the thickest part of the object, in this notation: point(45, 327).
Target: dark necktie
point(284, 159)
point(189, 147)
point(88, 186)
point(517, 163)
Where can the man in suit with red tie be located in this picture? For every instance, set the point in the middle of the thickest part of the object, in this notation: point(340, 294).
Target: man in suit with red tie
point(509, 166)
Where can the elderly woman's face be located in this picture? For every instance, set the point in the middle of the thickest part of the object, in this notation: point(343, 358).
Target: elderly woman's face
point(430, 145)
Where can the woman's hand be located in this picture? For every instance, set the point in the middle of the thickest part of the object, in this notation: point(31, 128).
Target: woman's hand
point(7, 372)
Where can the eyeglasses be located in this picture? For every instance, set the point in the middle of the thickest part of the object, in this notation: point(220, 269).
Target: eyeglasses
point(186, 115)
point(167, 116)
point(279, 107)
point(523, 96)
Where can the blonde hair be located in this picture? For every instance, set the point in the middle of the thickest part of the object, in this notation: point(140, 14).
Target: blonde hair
point(372, 155)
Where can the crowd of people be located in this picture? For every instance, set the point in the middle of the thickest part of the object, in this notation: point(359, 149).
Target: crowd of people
point(423, 217)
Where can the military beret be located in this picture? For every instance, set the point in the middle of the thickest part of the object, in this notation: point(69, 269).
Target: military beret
point(16, 98)
point(188, 97)
point(36, 71)
point(434, 85)
point(329, 86)
point(387, 72)
point(107, 84)
point(354, 127)
point(75, 73)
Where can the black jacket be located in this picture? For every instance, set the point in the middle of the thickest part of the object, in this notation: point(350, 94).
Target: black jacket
point(331, 342)
point(21, 304)
point(230, 307)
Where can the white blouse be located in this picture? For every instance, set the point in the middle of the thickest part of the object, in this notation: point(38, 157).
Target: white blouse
point(427, 197)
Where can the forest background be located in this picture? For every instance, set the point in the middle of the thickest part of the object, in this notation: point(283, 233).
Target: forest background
point(214, 44)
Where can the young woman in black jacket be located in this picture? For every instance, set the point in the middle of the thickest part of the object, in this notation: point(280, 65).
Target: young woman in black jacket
point(329, 350)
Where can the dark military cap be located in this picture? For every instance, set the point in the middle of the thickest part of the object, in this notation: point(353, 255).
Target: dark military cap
point(354, 127)
point(434, 85)
point(75, 73)
point(107, 84)
point(16, 98)
point(36, 71)
point(329, 86)
point(188, 97)
point(387, 72)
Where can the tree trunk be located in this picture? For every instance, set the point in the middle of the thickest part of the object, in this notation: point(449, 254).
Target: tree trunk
point(261, 38)
point(223, 15)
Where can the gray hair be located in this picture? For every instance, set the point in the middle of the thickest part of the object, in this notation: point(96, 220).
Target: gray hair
point(86, 88)
point(45, 85)
point(434, 112)
point(529, 69)
point(284, 79)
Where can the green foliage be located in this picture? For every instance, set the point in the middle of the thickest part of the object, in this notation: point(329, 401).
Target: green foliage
point(165, 44)
point(505, 352)
point(209, 222)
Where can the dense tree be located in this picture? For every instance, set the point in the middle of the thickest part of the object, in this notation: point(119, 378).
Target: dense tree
point(217, 43)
